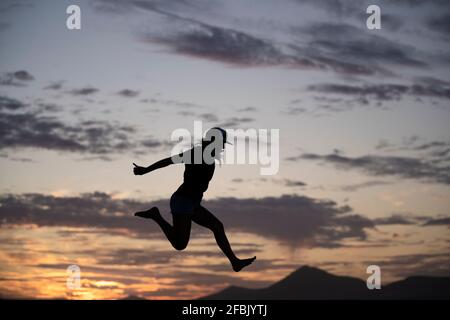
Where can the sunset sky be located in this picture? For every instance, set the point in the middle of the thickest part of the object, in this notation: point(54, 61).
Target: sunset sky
point(363, 115)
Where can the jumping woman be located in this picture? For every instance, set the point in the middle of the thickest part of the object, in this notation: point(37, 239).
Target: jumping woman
point(185, 203)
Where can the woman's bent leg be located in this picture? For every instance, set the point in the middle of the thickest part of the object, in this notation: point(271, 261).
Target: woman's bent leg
point(178, 234)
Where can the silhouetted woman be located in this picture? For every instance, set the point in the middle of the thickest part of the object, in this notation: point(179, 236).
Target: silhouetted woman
point(185, 203)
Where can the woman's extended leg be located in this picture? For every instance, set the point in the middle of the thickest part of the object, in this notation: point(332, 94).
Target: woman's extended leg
point(206, 219)
point(178, 234)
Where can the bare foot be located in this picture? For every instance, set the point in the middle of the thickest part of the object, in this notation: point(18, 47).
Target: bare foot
point(242, 263)
point(148, 214)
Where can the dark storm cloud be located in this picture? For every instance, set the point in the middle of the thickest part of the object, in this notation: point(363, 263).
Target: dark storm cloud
point(429, 170)
point(16, 79)
point(84, 91)
point(33, 128)
point(290, 219)
point(128, 93)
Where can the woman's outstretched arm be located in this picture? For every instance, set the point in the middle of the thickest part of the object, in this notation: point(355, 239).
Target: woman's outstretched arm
point(138, 170)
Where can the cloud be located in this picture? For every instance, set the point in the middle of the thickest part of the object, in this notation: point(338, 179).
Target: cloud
point(31, 128)
point(440, 24)
point(205, 41)
point(172, 103)
point(16, 79)
point(84, 91)
point(294, 183)
point(23, 75)
point(347, 49)
point(432, 264)
point(290, 219)
point(54, 86)
point(247, 109)
point(438, 222)
point(8, 6)
point(382, 92)
point(333, 46)
point(96, 210)
point(48, 107)
point(228, 46)
point(209, 117)
point(338, 97)
point(438, 150)
point(396, 219)
point(128, 93)
point(429, 170)
point(363, 185)
point(385, 92)
point(353, 7)
point(7, 103)
point(236, 121)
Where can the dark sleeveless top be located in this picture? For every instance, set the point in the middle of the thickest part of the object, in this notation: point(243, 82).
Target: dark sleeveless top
point(196, 178)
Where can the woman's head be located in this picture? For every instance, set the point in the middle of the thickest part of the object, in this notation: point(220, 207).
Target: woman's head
point(215, 139)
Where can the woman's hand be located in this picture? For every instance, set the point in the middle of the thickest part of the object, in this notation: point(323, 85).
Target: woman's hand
point(138, 170)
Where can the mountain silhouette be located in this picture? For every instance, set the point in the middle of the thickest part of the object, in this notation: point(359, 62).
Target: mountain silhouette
point(312, 283)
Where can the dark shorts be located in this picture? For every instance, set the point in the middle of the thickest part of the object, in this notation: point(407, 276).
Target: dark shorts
point(180, 204)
